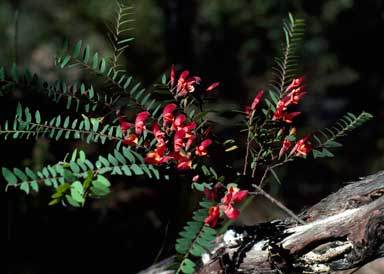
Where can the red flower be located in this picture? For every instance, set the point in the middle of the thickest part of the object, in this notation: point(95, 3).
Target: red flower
point(257, 99)
point(168, 114)
point(140, 122)
point(178, 123)
point(231, 212)
point(247, 111)
point(212, 86)
point(295, 96)
point(302, 147)
point(159, 135)
point(184, 164)
point(152, 158)
point(188, 128)
point(185, 85)
point(156, 157)
point(178, 141)
point(195, 178)
point(295, 83)
point(286, 144)
point(213, 216)
point(190, 140)
point(234, 194)
point(172, 75)
point(201, 150)
point(124, 126)
point(130, 140)
point(287, 117)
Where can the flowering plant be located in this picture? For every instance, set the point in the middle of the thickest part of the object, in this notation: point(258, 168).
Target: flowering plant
point(165, 136)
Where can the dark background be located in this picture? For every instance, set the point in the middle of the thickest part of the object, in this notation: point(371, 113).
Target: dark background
point(233, 42)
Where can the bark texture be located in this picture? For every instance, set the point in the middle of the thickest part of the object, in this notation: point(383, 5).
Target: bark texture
point(342, 231)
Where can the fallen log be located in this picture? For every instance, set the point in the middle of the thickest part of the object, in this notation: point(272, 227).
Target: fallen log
point(342, 231)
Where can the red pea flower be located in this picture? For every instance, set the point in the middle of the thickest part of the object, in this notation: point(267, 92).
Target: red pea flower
point(184, 164)
point(189, 127)
point(231, 212)
point(286, 145)
point(201, 150)
point(140, 122)
point(247, 111)
point(185, 85)
point(178, 141)
point(257, 99)
point(190, 140)
point(153, 158)
point(302, 147)
point(172, 75)
point(287, 117)
point(159, 135)
point(168, 114)
point(130, 140)
point(178, 123)
point(213, 86)
point(295, 83)
point(235, 195)
point(213, 216)
point(124, 126)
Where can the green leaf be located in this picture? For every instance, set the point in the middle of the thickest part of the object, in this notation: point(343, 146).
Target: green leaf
point(234, 147)
point(25, 186)
point(327, 153)
point(9, 176)
point(102, 65)
point(136, 169)
point(197, 250)
point(104, 181)
point(37, 117)
point(86, 54)
point(77, 192)
point(65, 61)
point(188, 266)
point(95, 61)
point(77, 49)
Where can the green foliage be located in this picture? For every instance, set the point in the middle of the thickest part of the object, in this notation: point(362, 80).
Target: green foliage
point(326, 138)
point(74, 95)
point(195, 239)
point(286, 68)
point(73, 181)
point(118, 36)
point(119, 81)
point(27, 125)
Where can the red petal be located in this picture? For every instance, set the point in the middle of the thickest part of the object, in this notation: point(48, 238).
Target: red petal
point(257, 99)
point(183, 75)
point(231, 212)
point(212, 86)
point(172, 75)
point(239, 196)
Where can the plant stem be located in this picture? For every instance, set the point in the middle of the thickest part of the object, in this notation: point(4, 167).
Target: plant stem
point(276, 202)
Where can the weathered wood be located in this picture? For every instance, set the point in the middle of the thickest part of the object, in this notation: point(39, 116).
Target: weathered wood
point(342, 231)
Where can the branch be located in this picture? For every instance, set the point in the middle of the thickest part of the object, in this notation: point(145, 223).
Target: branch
point(342, 231)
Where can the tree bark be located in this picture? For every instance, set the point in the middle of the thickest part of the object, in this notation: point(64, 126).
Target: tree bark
point(342, 231)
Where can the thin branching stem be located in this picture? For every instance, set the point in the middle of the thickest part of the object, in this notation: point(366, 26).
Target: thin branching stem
point(276, 202)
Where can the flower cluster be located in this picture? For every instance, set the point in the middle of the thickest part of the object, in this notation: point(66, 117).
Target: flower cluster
point(256, 101)
point(175, 139)
point(301, 148)
point(295, 94)
point(233, 195)
point(186, 84)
